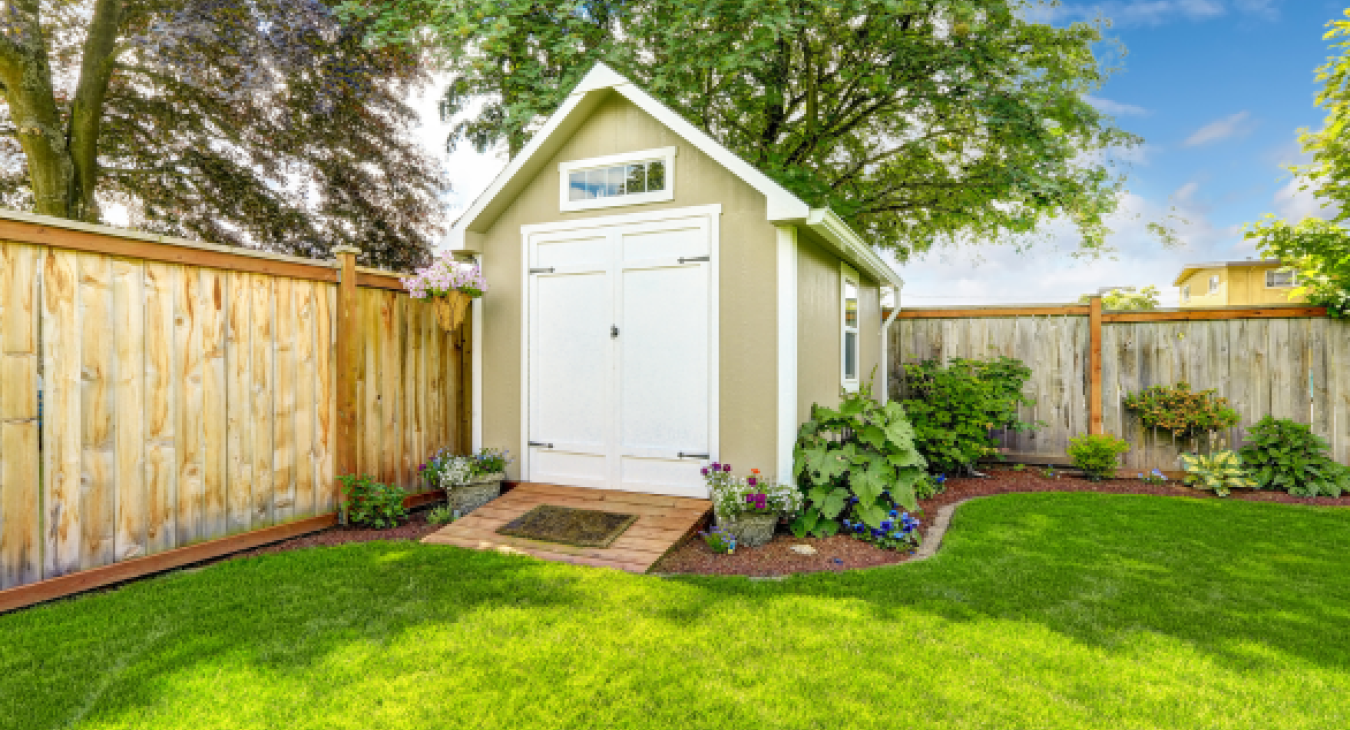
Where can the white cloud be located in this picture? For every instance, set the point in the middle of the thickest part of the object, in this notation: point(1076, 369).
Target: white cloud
point(1127, 13)
point(1221, 129)
point(1294, 204)
point(1115, 108)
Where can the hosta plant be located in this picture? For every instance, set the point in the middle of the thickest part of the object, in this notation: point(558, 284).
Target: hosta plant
point(1287, 455)
point(857, 463)
point(1220, 472)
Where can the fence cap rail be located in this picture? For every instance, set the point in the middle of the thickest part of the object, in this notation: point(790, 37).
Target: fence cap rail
point(46, 221)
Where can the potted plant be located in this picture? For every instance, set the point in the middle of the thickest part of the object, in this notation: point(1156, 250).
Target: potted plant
point(450, 285)
point(749, 508)
point(469, 481)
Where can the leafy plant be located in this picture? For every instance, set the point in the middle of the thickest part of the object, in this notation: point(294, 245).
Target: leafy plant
point(1049, 473)
point(440, 515)
point(930, 486)
point(1220, 472)
point(371, 503)
point(1178, 409)
point(1097, 454)
point(955, 407)
point(490, 462)
point(733, 496)
point(1287, 455)
point(899, 531)
point(858, 462)
point(719, 541)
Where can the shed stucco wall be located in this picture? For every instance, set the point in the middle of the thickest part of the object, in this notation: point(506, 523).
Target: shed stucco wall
point(747, 286)
point(820, 327)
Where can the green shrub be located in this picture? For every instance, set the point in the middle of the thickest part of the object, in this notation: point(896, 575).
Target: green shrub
point(1287, 455)
point(371, 503)
point(930, 486)
point(1178, 409)
point(954, 408)
point(1220, 472)
point(858, 462)
point(441, 515)
point(1097, 454)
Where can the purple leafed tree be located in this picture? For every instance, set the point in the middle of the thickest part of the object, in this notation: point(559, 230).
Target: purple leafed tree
point(264, 123)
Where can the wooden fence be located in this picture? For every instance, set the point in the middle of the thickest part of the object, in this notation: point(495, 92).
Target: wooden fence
point(197, 400)
point(1284, 361)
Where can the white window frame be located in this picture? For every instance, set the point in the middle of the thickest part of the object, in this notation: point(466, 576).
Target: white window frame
point(848, 275)
point(1186, 293)
point(565, 170)
point(1293, 279)
point(1214, 283)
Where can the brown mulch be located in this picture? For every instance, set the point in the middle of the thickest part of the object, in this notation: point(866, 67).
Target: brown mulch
point(845, 553)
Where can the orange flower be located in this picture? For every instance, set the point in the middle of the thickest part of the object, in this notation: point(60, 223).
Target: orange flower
point(754, 471)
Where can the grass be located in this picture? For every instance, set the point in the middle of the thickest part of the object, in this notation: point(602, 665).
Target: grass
point(1040, 611)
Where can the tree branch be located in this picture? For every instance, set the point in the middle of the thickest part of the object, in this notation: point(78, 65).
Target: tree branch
point(96, 70)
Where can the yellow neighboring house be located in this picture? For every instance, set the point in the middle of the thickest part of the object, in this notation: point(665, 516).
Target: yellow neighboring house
point(1236, 283)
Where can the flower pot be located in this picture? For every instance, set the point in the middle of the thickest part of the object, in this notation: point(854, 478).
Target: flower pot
point(451, 308)
point(469, 497)
point(752, 530)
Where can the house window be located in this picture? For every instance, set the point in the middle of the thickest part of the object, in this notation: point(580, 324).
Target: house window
point(630, 178)
point(1186, 293)
point(1281, 279)
point(851, 353)
point(1213, 283)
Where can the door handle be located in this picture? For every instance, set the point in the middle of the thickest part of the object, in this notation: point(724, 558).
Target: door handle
point(541, 444)
point(687, 259)
point(683, 455)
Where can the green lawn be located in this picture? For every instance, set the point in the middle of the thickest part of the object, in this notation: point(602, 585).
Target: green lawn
point(1040, 611)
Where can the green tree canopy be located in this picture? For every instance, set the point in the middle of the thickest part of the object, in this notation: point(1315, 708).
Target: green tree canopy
point(920, 121)
point(1137, 300)
point(1320, 249)
point(266, 122)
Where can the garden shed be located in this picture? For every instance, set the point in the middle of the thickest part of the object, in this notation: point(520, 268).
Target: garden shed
point(657, 303)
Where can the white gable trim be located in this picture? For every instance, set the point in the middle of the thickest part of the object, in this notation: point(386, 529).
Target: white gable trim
point(783, 206)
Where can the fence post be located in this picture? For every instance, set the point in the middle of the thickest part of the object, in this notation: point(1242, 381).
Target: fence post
point(1095, 365)
point(348, 337)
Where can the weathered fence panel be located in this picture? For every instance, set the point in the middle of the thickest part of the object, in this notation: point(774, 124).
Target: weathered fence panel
point(185, 402)
point(1295, 366)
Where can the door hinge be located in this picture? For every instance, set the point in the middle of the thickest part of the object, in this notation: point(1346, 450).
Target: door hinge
point(541, 444)
point(547, 270)
point(693, 456)
point(687, 259)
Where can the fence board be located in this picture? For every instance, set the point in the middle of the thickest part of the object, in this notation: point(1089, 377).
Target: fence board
point(98, 489)
point(191, 403)
point(283, 402)
point(61, 405)
point(264, 319)
point(160, 435)
point(215, 399)
point(239, 410)
point(20, 519)
point(326, 397)
point(304, 399)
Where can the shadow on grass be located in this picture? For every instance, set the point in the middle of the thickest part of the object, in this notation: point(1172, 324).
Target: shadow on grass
point(1221, 577)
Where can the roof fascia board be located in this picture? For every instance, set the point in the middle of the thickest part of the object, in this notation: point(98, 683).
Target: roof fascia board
point(827, 224)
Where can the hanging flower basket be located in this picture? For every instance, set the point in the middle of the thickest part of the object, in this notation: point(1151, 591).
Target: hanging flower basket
point(451, 308)
point(449, 285)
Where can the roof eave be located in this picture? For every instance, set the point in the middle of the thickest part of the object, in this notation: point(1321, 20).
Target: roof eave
point(850, 246)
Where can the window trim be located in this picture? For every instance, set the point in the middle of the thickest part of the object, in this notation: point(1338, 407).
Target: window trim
point(565, 169)
point(1186, 293)
point(849, 275)
point(1293, 279)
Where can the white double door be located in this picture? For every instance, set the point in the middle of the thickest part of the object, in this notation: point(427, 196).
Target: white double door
point(621, 356)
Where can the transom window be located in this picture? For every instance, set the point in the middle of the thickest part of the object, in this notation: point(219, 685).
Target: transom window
point(609, 182)
point(1281, 279)
point(630, 178)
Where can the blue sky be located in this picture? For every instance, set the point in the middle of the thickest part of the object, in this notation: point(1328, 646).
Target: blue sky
point(1217, 89)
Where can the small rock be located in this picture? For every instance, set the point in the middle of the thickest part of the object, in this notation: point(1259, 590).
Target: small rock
point(803, 549)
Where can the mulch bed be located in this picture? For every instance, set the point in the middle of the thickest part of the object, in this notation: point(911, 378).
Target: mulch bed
point(845, 553)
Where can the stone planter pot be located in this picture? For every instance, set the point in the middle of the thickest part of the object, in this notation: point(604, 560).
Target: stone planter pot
point(752, 530)
point(469, 497)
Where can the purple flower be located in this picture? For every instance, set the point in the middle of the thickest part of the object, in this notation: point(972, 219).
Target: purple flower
point(716, 466)
point(752, 481)
point(705, 471)
point(726, 467)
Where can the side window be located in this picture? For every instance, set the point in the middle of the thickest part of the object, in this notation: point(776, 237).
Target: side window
point(1213, 283)
point(1276, 279)
point(1186, 293)
point(851, 344)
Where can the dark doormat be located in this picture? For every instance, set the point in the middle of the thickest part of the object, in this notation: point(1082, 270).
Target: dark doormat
point(569, 526)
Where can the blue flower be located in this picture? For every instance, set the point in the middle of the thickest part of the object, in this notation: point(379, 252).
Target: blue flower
point(894, 513)
point(896, 536)
point(858, 528)
point(886, 524)
point(941, 478)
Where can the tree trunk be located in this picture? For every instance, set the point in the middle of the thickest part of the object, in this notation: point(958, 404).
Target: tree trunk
point(32, 106)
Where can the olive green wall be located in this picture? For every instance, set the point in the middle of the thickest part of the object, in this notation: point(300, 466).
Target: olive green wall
point(820, 326)
point(747, 290)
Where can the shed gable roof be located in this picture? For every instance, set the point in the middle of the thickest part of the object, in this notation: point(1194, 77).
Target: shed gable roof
point(783, 205)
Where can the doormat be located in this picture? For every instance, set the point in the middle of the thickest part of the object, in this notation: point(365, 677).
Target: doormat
point(569, 526)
